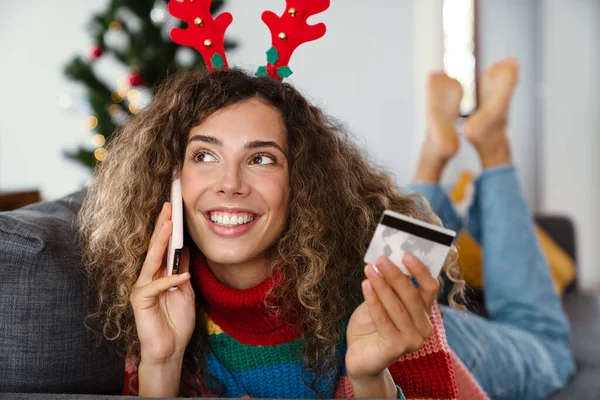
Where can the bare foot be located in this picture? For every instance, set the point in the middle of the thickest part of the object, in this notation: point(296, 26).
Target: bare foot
point(486, 128)
point(443, 110)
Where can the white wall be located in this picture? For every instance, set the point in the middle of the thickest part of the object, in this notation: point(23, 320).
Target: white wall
point(428, 56)
point(570, 120)
point(362, 72)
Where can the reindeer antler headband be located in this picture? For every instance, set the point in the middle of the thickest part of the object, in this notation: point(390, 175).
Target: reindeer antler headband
point(207, 35)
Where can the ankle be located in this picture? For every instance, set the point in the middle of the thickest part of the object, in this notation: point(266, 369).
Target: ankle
point(495, 153)
point(429, 168)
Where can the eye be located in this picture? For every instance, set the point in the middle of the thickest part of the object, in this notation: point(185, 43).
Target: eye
point(203, 157)
point(263, 159)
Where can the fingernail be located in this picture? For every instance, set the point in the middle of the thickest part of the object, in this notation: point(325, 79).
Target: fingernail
point(184, 275)
point(370, 269)
point(376, 270)
point(409, 260)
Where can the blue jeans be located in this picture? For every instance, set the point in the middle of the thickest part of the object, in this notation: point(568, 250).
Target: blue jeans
point(522, 351)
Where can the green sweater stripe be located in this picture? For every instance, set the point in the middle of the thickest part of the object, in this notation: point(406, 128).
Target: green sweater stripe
point(236, 356)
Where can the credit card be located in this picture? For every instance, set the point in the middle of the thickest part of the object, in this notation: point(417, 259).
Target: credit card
point(397, 234)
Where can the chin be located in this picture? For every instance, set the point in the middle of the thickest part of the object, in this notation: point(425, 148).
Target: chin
point(226, 254)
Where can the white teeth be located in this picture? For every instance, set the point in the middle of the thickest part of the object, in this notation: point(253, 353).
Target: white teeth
point(230, 220)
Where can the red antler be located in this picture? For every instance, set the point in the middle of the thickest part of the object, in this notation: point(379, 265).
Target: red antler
point(288, 32)
point(205, 34)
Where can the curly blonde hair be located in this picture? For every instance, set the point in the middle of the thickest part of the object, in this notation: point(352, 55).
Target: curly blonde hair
point(336, 199)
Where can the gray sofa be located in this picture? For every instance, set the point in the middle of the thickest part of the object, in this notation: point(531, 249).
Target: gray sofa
point(45, 347)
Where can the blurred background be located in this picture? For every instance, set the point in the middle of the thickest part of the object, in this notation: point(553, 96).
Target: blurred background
point(369, 72)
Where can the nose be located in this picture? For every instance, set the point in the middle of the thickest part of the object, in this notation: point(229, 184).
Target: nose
point(231, 182)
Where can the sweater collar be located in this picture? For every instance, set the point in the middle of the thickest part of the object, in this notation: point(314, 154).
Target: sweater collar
point(242, 314)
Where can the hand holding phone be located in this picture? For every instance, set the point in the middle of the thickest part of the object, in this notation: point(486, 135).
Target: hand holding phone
point(164, 318)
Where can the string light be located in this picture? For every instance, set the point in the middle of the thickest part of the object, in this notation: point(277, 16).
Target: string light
point(115, 97)
point(133, 96)
point(114, 109)
point(115, 26)
point(98, 140)
point(100, 154)
point(90, 123)
point(122, 91)
point(157, 15)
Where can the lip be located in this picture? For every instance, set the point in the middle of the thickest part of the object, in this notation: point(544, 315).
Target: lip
point(230, 232)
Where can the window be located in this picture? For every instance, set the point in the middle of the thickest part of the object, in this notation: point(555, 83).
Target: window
point(460, 49)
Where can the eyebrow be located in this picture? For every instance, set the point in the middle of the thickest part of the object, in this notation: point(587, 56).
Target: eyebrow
point(255, 144)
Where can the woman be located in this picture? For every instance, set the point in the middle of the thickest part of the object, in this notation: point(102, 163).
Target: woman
point(279, 210)
point(522, 351)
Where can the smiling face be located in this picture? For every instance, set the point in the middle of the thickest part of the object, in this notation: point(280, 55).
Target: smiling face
point(235, 183)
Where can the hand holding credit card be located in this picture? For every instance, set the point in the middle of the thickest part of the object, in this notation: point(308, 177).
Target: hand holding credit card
point(397, 234)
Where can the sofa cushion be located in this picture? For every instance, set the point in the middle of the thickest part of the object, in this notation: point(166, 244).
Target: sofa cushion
point(585, 385)
point(44, 343)
point(583, 310)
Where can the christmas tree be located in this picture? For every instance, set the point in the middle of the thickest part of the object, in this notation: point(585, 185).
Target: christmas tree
point(136, 33)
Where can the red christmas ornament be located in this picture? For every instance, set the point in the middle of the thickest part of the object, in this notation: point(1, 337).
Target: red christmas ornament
point(135, 79)
point(95, 52)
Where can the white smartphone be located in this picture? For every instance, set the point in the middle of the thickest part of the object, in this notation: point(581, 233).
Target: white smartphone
point(176, 240)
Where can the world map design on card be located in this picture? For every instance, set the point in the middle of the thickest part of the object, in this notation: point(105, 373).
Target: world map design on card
point(397, 234)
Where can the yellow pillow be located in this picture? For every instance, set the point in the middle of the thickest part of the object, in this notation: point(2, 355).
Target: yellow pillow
point(562, 266)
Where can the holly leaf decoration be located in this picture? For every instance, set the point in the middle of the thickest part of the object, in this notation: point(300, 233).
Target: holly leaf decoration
point(284, 72)
point(272, 55)
point(217, 61)
point(261, 71)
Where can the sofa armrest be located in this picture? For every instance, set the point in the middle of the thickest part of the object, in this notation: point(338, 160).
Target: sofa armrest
point(562, 231)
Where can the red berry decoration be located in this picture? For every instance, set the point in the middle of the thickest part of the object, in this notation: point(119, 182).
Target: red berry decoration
point(271, 70)
point(135, 79)
point(95, 52)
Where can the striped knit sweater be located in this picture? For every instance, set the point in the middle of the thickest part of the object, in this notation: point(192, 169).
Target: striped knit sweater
point(254, 354)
